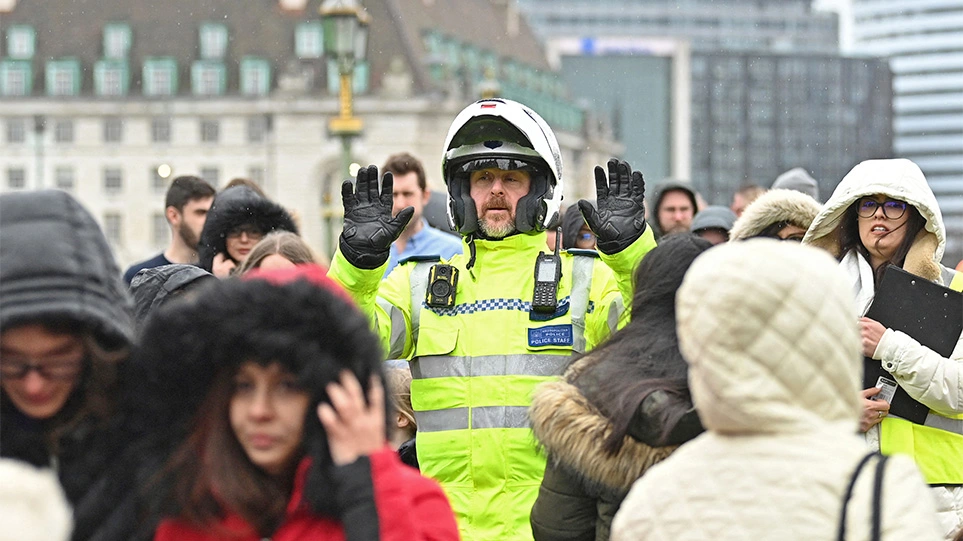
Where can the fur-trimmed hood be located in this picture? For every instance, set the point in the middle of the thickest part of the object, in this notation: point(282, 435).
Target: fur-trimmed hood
point(234, 207)
point(900, 179)
point(775, 206)
point(296, 316)
point(573, 431)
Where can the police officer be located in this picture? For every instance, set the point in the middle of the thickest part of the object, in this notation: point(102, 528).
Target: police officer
point(484, 328)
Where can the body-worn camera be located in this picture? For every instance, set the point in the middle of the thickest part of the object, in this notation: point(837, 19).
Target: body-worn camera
point(442, 283)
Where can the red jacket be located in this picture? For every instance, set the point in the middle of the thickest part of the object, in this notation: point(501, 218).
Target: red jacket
point(410, 507)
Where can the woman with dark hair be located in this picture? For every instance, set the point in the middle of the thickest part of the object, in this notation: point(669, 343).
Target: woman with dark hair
point(617, 410)
point(256, 384)
point(884, 213)
point(239, 218)
point(65, 332)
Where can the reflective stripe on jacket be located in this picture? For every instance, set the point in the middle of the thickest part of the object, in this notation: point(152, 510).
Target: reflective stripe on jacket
point(475, 365)
point(937, 445)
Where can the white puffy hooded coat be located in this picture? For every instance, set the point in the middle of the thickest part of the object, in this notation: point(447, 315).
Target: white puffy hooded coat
point(926, 376)
point(769, 331)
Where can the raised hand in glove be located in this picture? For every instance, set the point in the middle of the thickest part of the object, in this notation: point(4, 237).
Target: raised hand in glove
point(369, 228)
point(620, 217)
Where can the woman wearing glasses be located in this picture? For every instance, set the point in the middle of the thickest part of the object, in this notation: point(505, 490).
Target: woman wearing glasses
point(239, 218)
point(884, 213)
point(65, 329)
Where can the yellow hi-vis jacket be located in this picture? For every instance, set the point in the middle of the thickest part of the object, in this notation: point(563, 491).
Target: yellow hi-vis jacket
point(475, 366)
point(936, 445)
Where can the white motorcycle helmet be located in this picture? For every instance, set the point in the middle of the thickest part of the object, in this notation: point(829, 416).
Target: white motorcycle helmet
point(506, 135)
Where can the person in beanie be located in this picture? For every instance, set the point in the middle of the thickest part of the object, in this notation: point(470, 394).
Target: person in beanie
point(65, 333)
point(797, 179)
point(269, 391)
point(713, 224)
point(237, 221)
point(775, 369)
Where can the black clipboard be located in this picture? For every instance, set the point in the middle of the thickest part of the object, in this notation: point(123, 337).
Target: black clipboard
point(928, 312)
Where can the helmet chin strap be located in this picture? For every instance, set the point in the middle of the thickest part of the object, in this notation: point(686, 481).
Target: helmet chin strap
point(471, 258)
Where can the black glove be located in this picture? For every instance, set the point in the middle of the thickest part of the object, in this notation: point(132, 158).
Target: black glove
point(620, 218)
point(369, 228)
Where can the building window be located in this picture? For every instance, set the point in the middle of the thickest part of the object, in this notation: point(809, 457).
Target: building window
point(213, 41)
point(208, 78)
point(257, 127)
point(111, 78)
point(160, 77)
point(160, 229)
point(113, 130)
point(160, 130)
point(256, 174)
point(64, 131)
point(21, 42)
point(16, 130)
point(158, 182)
point(308, 40)
point(113, 180)
point(63, 78)
point(113, 227)
point(15, 78)
point(16, 178)
point(64, 177)
point(116, 41)
point(211, 175)
point(255, 76)
point(210, 131)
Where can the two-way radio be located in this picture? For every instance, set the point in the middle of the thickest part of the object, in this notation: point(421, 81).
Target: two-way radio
point(548, 272)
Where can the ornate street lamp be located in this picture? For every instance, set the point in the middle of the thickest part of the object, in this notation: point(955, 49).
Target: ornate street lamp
point(345, 27)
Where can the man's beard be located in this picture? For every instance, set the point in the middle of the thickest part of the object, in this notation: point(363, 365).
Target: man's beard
point(187, 235)
point(676, 228)
point(498, 230)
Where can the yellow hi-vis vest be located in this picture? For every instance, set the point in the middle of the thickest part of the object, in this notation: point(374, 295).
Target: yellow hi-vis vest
point(936, 446)
point(475, 366)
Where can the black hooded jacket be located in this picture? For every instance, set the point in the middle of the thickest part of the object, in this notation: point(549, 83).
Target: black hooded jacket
point(155, 286)
point(234, 207)
point(56, 266)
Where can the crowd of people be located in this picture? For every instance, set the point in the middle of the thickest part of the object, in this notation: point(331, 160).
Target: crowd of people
point(656, 368)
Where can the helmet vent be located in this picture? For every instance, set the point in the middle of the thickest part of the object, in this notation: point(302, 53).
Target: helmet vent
point(493, 144)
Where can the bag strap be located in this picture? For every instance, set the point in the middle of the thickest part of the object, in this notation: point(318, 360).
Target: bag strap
point(877, 496)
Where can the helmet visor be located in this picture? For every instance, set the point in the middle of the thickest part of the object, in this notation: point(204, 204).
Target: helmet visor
point(504, 164)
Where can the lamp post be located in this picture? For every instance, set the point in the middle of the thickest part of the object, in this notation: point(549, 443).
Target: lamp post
point(345, 27)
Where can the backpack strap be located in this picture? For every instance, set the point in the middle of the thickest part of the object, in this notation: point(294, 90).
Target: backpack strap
point(876, 517)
